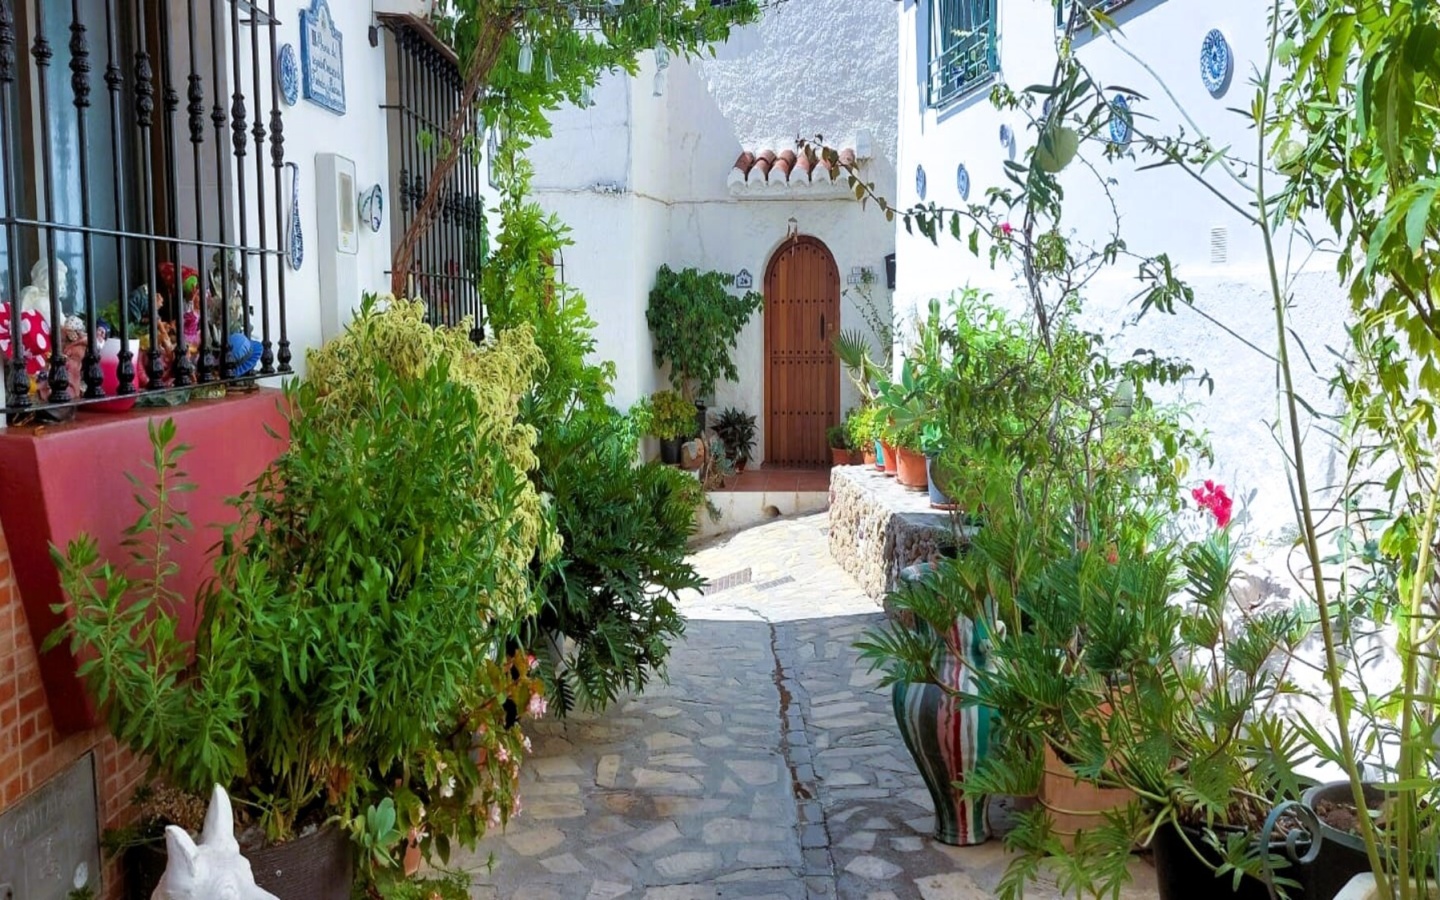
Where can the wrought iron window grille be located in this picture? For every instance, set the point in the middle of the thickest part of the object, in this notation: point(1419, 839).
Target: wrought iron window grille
point(141, 152)
point(423, 95)
point(963, 52)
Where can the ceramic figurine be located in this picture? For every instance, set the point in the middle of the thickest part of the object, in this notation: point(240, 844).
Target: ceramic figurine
point(211, 869)
point(217, 289)
point(36, 295)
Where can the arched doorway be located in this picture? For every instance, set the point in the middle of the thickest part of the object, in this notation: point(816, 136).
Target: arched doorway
point(802, 374)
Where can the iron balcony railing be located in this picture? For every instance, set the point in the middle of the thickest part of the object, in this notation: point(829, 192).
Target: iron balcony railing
point(969, 61)
point(424, 95)
point(140, 213)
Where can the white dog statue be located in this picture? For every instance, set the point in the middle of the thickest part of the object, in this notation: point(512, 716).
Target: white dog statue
point(212, 869)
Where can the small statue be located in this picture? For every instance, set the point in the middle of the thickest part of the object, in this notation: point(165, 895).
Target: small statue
point(217, 290)
point(212, 869)
point(36, 295)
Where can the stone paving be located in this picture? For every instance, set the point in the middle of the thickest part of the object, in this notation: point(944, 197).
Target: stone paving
point(768, 767)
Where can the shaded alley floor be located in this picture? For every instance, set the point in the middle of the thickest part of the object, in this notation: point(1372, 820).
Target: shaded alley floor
point(769, 765)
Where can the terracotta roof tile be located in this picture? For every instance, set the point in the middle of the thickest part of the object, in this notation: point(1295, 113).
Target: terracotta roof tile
point(785, 167)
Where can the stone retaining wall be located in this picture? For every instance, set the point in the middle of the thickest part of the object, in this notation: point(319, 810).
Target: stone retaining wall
point(878, 527)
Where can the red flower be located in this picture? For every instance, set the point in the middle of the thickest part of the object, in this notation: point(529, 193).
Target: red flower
point(1005, 229)
point(1212, 497)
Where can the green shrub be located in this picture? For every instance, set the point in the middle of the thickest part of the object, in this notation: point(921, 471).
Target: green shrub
point(671, 415)
point(625, 528)
point(352, 646)
point(695, 322)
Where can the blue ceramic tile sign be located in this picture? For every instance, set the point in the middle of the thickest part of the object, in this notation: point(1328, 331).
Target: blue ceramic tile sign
point(322, 57)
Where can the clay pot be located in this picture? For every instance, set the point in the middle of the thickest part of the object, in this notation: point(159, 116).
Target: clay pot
point(857, 458)
point(839, 457)
point(868, 457)
point(892, 459)
point(1075, 805)
point(910, 469)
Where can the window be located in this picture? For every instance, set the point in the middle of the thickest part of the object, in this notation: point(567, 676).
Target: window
point(422, 98)
point(962, 47)
point(1064, 10)
point(139, 177)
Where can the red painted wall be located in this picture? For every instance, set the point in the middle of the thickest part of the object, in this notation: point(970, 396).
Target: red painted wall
point(59, 481)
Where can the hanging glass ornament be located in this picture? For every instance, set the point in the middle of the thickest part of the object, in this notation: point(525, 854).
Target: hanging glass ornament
point(527, 57)
point(587, 100)
point(549, 67)
point(662, 57)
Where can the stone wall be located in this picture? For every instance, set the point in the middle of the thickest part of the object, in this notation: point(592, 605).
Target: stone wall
point(878, 527)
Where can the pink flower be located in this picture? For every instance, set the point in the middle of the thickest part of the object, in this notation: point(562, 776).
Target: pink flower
point(537, 706)
point(1005, 229)
point(1212, 497)
point(502, 754)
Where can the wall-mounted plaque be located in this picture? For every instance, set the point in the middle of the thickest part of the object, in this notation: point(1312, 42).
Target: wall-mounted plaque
point(322, 57)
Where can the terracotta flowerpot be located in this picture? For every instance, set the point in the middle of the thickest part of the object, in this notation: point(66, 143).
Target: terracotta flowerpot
point(892, 459)
point(910, 469)
point(868, 457)
point(1075, 805)
point(839, 457)
point(857, 458)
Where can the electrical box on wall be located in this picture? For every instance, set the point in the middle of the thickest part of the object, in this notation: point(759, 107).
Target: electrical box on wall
point(338, 203)
point(337, 241)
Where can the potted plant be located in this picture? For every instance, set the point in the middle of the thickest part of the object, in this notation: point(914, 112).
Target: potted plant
point(671, 419)
point(298, 691)
point(736, 430)
point(838, 437)
point(932, 442)
point(695, 322)
point(863, 432)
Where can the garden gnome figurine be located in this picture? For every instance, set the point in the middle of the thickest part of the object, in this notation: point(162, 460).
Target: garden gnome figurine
point(213, 869)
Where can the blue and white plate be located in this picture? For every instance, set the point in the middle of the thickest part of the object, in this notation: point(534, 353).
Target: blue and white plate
point(1007, 136)
point(1216, 62)
point(1121, 122)
point(962, 182)
point(920, 181)
point(289, 75)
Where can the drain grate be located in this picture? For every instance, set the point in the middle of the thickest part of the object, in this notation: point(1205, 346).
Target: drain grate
point(769, 585)
point(726, 582)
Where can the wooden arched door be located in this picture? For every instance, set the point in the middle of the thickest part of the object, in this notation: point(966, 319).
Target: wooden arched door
point(802, 374)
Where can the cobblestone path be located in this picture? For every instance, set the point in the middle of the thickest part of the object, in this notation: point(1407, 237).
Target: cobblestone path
point(769, 766)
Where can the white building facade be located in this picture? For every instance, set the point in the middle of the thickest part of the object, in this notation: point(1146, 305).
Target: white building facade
point(695, 165)
point(946, 121)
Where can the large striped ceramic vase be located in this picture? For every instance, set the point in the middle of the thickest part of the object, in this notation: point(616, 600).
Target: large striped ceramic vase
point(949, 737)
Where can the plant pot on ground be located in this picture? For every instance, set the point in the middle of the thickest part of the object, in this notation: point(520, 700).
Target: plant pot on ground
point(670, 418)
point(736, 430)
point(318, 865)
point(839, 441)
point(1075, 804)
point(1185, 866)
point(1342, 853)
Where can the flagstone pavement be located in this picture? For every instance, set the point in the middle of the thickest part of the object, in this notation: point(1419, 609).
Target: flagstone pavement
point(769, 766)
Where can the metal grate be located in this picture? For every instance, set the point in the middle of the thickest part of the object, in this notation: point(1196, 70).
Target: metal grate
point(139, 199)
point(726, 582)
point(764, 586)
point(1219, 246)
point(423, 99)
point(962, 47)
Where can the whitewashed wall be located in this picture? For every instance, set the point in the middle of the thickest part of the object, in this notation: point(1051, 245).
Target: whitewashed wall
point(1161, 211)
point(641, 179)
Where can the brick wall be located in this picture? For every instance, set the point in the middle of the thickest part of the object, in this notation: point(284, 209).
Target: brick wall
point(31, 750)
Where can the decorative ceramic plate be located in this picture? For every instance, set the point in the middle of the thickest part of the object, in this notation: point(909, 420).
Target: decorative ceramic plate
point(372, 207)
point(289, 75)
point(962, 182)
point(1216, 62)
point(1121, 123)
point(1007, 136)
point(295, 240)
point(920, 181)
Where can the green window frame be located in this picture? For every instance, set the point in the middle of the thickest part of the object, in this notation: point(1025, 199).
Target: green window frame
point(962, 48)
